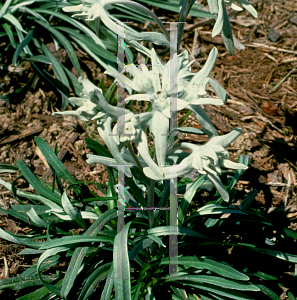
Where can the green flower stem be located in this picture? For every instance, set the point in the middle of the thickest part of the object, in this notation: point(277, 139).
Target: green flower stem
point(135, 157)
point(150, 202)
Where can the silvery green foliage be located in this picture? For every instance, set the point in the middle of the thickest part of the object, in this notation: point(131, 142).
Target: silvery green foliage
point(91, 10)
point(153, 84)
point(222, 24)
point(217, 8)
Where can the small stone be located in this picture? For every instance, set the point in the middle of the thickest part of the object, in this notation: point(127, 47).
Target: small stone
point(293, 20)
point(273, 35)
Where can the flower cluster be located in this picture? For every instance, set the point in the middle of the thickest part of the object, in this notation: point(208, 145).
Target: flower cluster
point(153, 84)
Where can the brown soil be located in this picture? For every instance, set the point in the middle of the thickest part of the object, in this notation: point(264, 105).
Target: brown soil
point(261, 82)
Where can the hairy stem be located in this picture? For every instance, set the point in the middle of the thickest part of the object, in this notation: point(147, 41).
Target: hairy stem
point(135, 157)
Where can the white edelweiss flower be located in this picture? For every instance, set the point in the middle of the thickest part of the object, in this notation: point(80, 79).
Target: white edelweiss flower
point(207, 159)
point(92, 104)
point(129, 132)
point(195, 91)
point(154, 86)
point(88, 108)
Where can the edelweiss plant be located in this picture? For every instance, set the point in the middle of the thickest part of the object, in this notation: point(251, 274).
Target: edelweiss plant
point(124, 253)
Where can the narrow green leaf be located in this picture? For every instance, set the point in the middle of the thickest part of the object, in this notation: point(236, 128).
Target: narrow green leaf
point(98, 275)
point(22, 45)
point(21, 282)
point(54, 161)
point(174, 6)
point(44, 200)
point(8, 236)
point(73, 22)
point(79, 253)
point(5, 168)
point(36, 219)
point(71, 212)
point(215, 280)
point(14, 21)
point(220, 291)
point(9, 34)
point(44, 256)
point(76, 86)
point(89, 43)
point(66, 44)
point(279, 254)
point(208, 264)
point(108, 287)
point(5, 7)
point(121, 265)
point(60, 74)
point(35, 183)
point(227, 32)
point(188, 196)
point(76, 239)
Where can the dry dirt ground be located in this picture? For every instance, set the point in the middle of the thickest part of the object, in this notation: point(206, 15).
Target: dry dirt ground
point(261, 81)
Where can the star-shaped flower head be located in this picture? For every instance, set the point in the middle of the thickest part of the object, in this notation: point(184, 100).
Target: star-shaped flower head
point(87, 106)
point(207, 159)
point(194, 92)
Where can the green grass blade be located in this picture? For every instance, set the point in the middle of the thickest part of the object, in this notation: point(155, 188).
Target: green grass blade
point(100, 61)
point(173, 5)
point(13, 238)
point(179, 293)
point(37, 221)
point(38, 58)
point(40, 293)
point(220, 291)
point(76, 86)
point(268, 292)
point(74, 23)
point(227, 32)
point(5, 168)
